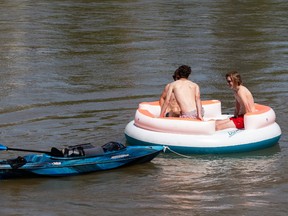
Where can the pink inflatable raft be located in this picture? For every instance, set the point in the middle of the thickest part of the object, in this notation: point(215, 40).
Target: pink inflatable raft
point(200, 137)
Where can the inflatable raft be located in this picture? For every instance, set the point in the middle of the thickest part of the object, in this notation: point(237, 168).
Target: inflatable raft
point(193, 136)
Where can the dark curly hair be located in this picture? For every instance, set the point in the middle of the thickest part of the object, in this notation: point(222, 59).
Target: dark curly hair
point(183, 71)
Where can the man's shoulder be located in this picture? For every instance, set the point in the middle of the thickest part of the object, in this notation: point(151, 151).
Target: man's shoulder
point(243, 89)
point(193, 83)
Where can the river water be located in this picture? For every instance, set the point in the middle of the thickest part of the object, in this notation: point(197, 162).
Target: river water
point(74, 71)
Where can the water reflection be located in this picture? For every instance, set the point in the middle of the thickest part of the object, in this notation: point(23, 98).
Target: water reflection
point(214, 184)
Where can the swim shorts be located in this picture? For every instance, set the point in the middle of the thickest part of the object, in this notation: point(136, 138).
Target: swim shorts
point(238, 121)
point(191, 114)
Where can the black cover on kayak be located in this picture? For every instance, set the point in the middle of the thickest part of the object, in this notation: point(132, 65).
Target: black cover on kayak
point(88, 149)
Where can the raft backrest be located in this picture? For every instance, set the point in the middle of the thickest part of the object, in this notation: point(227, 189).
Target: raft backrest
point(212, 108)
point(147, 117)
point(263, 116)
point(151, 109)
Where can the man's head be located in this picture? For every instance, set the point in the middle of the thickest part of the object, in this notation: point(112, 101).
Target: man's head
point(233, 79)
point(183, 71)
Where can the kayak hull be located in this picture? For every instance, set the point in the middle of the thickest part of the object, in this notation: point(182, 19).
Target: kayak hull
point(46, 165)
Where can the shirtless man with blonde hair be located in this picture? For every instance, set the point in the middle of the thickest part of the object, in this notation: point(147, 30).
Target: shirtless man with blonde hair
point(187, 95)
point(244, 103)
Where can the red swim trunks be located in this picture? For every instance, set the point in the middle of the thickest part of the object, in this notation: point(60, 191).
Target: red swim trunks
point(238, 121)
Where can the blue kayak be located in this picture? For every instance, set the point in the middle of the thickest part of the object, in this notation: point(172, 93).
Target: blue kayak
point(77, 159)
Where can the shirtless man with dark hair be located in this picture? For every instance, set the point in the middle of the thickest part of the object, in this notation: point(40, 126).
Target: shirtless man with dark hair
point(187, 95)
point(244, 103)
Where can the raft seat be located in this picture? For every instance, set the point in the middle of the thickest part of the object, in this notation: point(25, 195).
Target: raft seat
point(147, 117)
point(212, 109)
point(262, 117)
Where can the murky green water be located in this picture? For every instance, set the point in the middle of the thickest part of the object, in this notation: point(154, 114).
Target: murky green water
point(74, 72)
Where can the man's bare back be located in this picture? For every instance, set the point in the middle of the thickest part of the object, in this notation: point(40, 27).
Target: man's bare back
point(187, 95)
point(245, 100)
point(184, 90)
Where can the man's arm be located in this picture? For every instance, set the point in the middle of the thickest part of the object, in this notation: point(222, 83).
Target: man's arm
point(166, 101)
point(198, 103)
point(163, 95)
point(237, 108)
